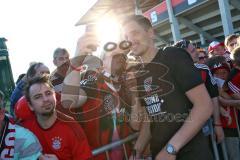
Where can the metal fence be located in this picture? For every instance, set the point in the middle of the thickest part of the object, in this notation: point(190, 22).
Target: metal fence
point(112, 145)
point(134, 136)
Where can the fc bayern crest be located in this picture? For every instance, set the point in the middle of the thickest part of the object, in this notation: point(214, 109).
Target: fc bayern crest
point(148, 84)
point(56, 143)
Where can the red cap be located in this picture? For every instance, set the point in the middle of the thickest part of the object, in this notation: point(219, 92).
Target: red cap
point(213, 45)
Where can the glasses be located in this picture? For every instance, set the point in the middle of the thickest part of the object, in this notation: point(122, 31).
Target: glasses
point(202, 58)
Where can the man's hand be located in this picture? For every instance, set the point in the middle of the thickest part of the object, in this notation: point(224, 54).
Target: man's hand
point(219, 133)
point(163, 155)
point(86, 44)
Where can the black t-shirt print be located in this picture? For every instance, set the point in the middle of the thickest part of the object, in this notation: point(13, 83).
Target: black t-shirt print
point(153, 86)
point(162, 88)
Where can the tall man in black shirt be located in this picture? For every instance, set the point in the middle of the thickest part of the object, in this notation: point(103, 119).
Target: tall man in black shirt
point(174, 96)
point(210, 84)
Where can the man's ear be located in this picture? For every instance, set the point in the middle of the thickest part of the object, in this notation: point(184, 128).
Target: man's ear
point(54, 94)
point(151, 33)
point(30, 106)
point(54, 62)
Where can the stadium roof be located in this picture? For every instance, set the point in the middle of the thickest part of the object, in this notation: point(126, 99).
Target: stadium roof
point(203, 18)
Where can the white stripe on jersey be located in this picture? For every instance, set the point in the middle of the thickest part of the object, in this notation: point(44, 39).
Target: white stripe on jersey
point(233, 88)
point(204, 66)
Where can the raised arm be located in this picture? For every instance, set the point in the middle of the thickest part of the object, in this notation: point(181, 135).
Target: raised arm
point(72, 95)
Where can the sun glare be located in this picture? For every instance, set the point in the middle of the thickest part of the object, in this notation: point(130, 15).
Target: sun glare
point(108, 29)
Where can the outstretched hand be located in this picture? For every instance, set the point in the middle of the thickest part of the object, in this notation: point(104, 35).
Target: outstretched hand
point(86, 44)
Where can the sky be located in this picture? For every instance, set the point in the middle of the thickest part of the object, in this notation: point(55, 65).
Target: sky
point(35, 28)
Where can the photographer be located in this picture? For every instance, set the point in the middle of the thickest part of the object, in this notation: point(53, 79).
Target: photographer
point(99, 96)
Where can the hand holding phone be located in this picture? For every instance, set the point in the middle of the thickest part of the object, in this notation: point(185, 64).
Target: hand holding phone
point(88, 43)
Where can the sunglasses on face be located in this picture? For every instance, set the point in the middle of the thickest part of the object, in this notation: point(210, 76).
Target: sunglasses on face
point(202, 58)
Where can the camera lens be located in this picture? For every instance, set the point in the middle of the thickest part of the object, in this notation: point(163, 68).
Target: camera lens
point(124, 45)
point(110, 46)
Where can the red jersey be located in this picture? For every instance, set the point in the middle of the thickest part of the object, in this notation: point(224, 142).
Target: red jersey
point(228, 118)
point(234, 81)
point(96, 116)
point(65, 139)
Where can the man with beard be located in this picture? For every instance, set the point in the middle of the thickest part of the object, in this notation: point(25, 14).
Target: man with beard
point(57, 133)
point(171, 85)
point(17, 142)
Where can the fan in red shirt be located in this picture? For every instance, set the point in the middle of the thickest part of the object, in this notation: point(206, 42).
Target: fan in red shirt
point(234, 77)
point(57, 133)
point(220, 70)
point(101, 96)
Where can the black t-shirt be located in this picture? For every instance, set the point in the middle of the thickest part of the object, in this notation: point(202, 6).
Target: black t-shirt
point(208, 79)
point(162, 89)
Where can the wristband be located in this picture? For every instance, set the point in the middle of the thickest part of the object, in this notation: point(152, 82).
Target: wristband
point(78, 69)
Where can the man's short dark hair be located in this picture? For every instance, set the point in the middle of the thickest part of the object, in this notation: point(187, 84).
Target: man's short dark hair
point(230, 38)
point(215, 60)
point(236, 56)
point(36, 80)
point(141, 20)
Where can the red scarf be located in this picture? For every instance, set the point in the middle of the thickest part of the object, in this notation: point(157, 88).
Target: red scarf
point(7, 140)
